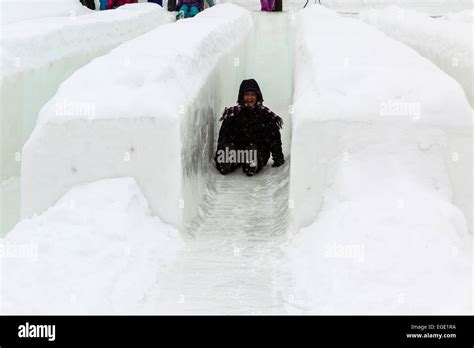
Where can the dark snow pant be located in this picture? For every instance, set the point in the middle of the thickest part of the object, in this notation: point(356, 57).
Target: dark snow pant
point(225, 165)
point(89, 3)
point(159, 2)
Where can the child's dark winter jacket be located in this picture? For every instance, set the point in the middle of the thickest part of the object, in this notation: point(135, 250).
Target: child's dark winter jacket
point(243, 125)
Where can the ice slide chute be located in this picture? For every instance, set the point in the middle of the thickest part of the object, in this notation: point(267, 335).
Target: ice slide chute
point(232, 264)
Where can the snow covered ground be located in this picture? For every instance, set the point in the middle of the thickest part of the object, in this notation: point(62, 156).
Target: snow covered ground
point(378, 193)
point(386, 84)
point(385, 241)
point(20, 10)
point(97, 250)
point(155, 106)
point(37, 56)
point(431, 7)
point(254, 5)
point(378, 187)
point(466, 16)
point(447, 43)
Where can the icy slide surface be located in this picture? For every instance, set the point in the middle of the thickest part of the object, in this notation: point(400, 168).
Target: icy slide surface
point(233, 263)
point(447, 43)
point(39, 54)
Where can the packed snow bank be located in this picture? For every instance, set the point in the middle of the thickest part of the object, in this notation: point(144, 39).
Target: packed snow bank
point(97, 250)
point(153, 118)
point(20, 10)
point(38, 55)
point(432, 7)
point(351, 79)
point(385, 241)
point(448, 44)
point(9, 203)
point(466, 16)
point(378, 159)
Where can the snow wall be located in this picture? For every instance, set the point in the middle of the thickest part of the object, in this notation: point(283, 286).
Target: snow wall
point(432, 7)
point(38, 54)
point(354, 94)
point(20, 10)
point(447, 44)
point(152, 119)
point(99, 241)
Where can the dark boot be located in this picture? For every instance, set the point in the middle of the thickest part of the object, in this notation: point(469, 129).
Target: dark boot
point(253, 167)
point(222, 166)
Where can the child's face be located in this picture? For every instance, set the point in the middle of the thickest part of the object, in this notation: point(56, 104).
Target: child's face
point(250, 98)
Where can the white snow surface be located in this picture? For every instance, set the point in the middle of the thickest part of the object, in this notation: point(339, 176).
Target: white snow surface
point(139, 72)
point(31, 44)
point(466, 16)
point(381, 192)
point(255, 5)
point(38, 55)
point(153, 116)
point(432, 7)
point(448, 44)
point(385, 241)
point(369, 82)
point(97, 250)
point(375, 70)
point(20, 10)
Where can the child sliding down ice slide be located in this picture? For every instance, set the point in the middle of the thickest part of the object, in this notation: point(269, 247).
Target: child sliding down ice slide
point(190, 8)
point(249, 133)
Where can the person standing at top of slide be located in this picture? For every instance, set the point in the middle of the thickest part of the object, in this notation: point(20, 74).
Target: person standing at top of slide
point(117, 3)
point(88, 3)
point(267, 5)
point(190, 8)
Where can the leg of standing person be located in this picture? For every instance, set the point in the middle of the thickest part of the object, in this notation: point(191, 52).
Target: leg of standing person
point(103, 5)
point(185, 10)
point(272, 4)
point(266, 5)
point(193, 11)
